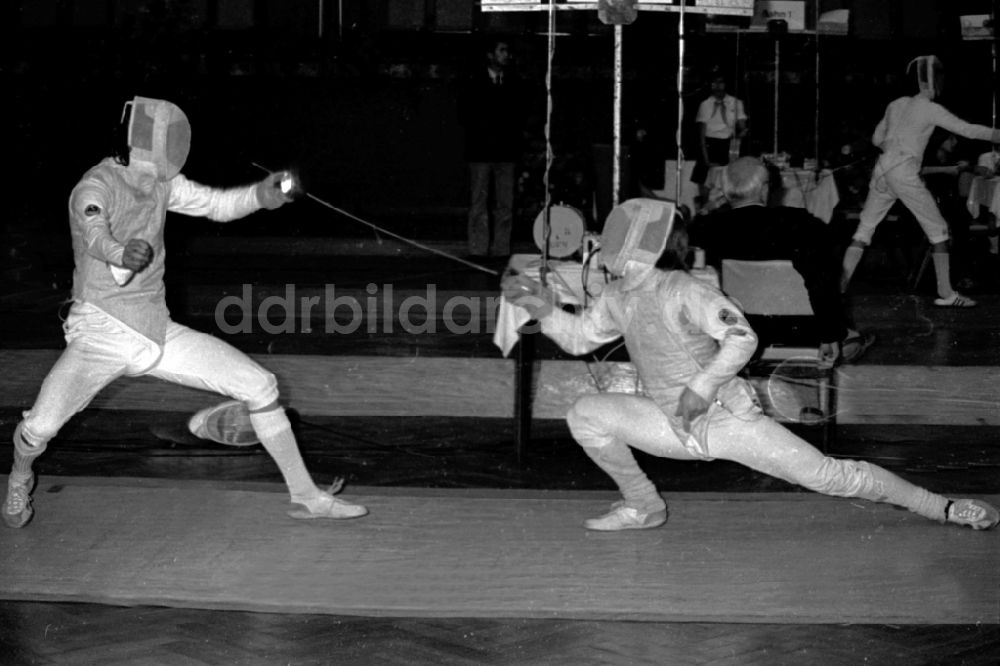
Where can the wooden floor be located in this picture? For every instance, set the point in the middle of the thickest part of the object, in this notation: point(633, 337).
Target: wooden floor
point(38, 633)
point(466, 452)
point(499, 553)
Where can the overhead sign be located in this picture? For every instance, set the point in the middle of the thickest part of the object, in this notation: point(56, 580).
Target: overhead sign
point(792, 12)
point(730, 7)
point(834, 22)
point(977, 26)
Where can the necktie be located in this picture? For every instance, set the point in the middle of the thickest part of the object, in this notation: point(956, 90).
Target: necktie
point(720, 106)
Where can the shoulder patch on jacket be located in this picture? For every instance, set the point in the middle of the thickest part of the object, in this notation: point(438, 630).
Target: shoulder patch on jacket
point(728, 317)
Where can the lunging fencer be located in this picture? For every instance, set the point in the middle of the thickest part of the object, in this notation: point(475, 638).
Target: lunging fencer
point(902, 135)
point(118, 324)
point(688, 342)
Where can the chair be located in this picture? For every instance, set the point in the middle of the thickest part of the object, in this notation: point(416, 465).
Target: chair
point(775, 289)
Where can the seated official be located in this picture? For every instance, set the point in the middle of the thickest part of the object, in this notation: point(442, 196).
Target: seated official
point(751, 231)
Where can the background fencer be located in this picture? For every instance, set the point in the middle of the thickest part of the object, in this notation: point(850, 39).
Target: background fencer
point(902, 136)
point(118, 324)
point(687, 342)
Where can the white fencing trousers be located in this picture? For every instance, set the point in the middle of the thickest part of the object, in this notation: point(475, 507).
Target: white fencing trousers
point(897, 177)
point(100, 349)
point(612, 422)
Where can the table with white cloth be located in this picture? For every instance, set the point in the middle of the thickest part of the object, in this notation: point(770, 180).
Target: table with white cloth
point(985, 193)
point(575, 284)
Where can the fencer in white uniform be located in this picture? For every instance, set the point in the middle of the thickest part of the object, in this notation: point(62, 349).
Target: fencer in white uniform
point(688, 342)
point(902, 136)
point(118, 324)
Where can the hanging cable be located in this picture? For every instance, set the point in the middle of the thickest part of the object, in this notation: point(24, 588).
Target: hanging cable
point(547, 224)
point(819, 160)
point(616, 150)
point(680, 103)
point(993, 52)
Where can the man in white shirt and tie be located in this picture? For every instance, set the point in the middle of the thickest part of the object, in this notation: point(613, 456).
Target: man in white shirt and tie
point(721, 118)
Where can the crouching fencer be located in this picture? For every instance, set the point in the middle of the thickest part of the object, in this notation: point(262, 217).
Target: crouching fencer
point(118, 324)
point(687, 342)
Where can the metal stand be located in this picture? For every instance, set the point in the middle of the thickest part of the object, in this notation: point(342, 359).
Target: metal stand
point(523, 393)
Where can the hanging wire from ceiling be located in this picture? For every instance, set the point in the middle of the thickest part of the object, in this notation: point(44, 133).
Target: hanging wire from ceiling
point(680, 102)
point(547, 226)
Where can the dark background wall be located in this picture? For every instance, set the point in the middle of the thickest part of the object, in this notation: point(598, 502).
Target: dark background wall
point(360, 94)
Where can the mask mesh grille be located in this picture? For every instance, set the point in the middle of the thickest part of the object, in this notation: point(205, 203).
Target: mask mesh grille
point(142, 128)
point(178, 143)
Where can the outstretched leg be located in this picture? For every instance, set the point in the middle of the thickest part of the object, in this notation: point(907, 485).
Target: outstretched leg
point(201, 361)
point(912, 191)
point(275, 432)
point(767, 446)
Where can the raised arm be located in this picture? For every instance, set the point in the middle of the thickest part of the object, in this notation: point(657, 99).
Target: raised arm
point(945, 119)
point(223, 205)
point(575, 334)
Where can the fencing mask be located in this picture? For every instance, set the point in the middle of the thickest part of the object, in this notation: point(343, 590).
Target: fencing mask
point(159, 134)
point(929, 72)
point(635, 235)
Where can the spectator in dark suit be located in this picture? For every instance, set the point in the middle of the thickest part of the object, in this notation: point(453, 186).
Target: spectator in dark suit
point(491, 108)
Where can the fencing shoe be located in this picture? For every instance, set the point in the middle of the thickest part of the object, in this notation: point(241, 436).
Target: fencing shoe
point(17, 509)
point(328, 506)
point(225, 423)
point(625, 517)
point(977, 514)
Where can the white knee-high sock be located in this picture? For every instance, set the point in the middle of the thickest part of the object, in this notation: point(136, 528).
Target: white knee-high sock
point(275, 432)
point(942, 270)
point(615, 458)
point(852, 257)
point(617, 461)
point(25, 453)
point(854, 478)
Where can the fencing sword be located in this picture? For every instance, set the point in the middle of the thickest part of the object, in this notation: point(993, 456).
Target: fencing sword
point(289, 184)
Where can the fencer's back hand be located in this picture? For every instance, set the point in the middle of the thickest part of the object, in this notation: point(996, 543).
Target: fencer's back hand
point(270, 193)
point(529, 294)
point(689, 407)
point(138, 253)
